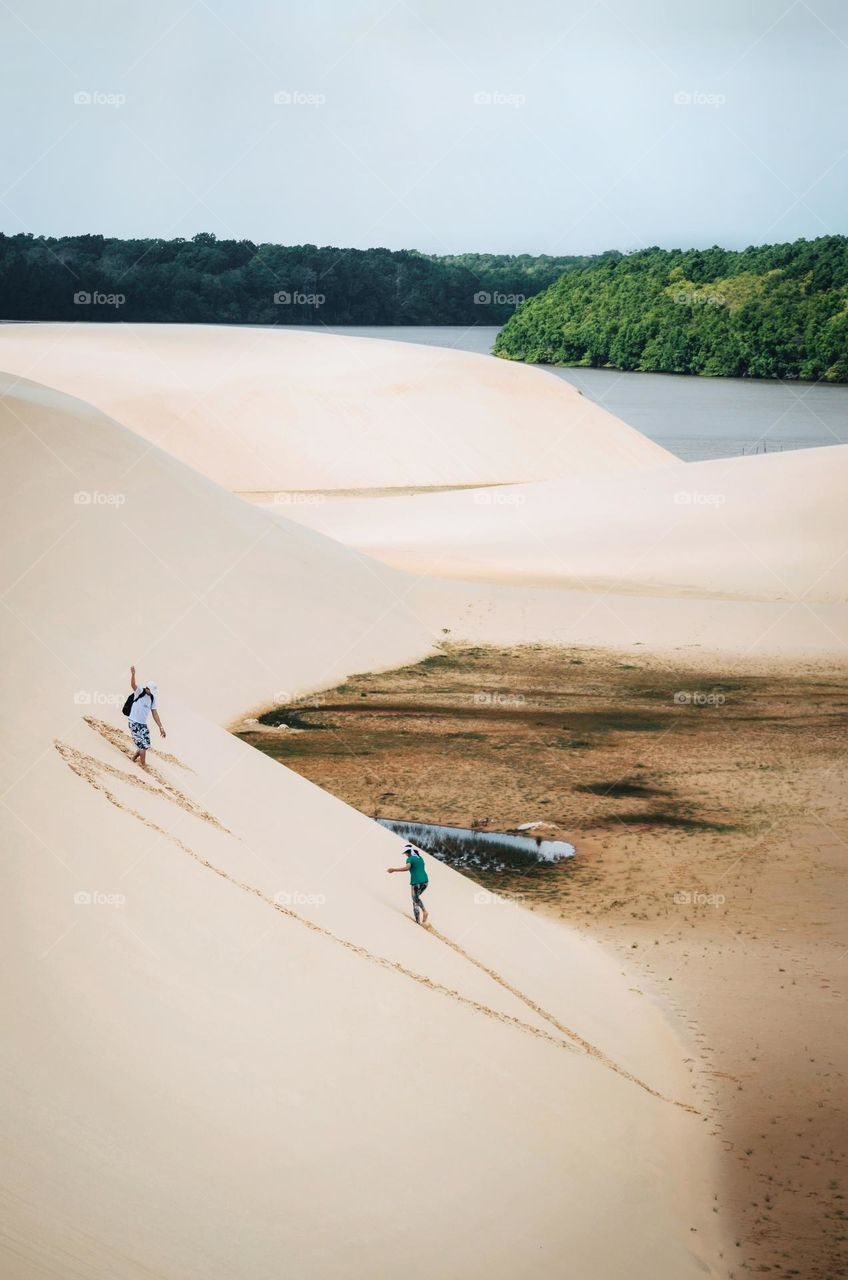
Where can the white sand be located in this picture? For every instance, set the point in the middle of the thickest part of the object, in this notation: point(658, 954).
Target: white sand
point(198, 1084)
point(763, 527)
point(599, 551)
point(276, 410)
point(508, 614)
point(748, 555)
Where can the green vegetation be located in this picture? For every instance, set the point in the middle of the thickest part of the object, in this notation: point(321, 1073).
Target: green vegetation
point(776, 311)
point(209, 281)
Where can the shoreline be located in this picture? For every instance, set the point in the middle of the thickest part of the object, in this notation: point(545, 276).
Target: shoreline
point(366, 330)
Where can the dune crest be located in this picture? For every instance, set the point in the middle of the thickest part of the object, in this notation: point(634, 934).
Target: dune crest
point(279, 411)
point(762, 527)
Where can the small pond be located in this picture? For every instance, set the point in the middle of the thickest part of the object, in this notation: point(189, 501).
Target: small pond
point(486, 850)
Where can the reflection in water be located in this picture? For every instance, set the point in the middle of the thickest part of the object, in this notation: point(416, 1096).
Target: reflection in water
point(492, 850)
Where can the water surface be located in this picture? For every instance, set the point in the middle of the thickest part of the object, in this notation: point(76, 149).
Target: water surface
point(429, 835)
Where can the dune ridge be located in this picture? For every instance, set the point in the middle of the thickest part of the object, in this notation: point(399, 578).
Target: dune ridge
point(283, 410)
point(762, 527)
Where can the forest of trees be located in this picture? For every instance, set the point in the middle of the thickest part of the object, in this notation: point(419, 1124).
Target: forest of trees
point(775, 311)
point(209, 281)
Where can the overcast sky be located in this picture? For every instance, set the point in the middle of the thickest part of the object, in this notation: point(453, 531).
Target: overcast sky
point(540, 126)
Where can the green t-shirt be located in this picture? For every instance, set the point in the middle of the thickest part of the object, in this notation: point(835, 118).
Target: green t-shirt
point(417, 870)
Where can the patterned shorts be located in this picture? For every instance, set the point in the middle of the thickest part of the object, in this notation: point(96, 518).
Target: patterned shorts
point(140, 734)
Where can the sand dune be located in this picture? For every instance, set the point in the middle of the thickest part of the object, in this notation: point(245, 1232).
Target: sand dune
point(620, 530)
point(276, 410)
point(194, 579)
point(764, 527)
point(228, 1051)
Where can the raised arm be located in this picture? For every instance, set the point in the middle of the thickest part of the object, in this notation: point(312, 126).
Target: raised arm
point(132, 679)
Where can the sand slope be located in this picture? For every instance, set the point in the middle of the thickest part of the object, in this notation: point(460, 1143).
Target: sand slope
point(132, 553)
point(250, 1059)
point(765, 527)
point(274, 410)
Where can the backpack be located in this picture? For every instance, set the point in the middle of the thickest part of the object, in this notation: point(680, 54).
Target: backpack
point(131, 701)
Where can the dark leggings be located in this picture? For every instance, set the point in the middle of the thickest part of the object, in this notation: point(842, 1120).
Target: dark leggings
point(417, 904)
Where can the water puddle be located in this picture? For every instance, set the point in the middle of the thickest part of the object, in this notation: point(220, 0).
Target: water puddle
point(492, 850)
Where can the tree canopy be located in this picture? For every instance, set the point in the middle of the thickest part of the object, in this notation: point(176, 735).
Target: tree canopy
point(773, 311)
point(210, 281)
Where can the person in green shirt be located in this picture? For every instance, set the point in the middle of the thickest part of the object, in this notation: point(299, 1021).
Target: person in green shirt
point(418, 881)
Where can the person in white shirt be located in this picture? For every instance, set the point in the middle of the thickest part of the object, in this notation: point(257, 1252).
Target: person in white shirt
point(144, 703)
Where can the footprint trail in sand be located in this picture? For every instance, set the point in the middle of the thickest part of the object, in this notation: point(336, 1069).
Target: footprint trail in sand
point(93, 771)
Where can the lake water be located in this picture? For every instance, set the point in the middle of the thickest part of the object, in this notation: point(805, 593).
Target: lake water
point(429, 835)
point(695, 418)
